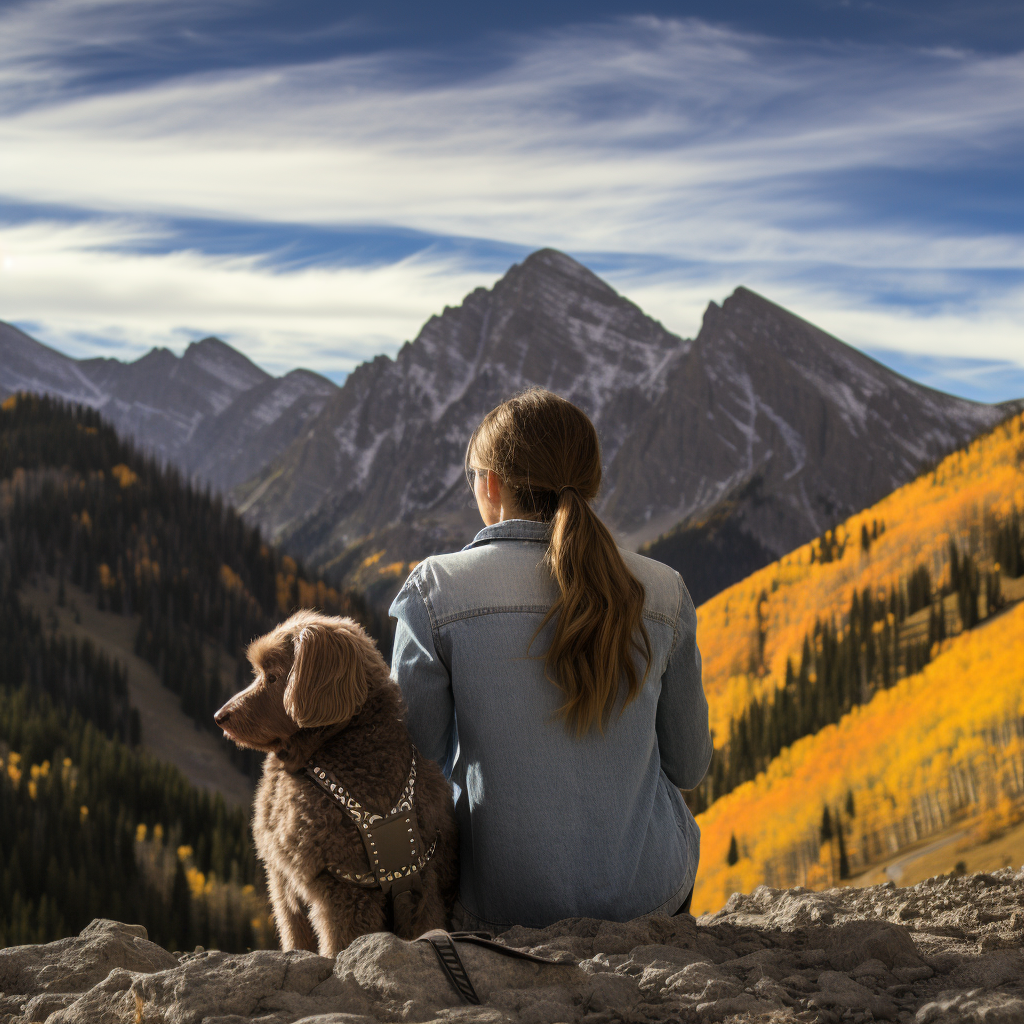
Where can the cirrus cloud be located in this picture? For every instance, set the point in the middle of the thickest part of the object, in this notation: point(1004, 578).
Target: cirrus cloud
point(677, 157)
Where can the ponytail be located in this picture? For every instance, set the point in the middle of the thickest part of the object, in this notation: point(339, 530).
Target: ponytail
point(546, 451)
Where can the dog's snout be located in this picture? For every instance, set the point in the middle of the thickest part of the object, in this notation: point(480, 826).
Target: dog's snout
point(222, 716)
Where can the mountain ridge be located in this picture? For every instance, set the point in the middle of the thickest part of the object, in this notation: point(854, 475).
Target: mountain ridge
point(720, 452)
point(762, 412)
point(184, 409)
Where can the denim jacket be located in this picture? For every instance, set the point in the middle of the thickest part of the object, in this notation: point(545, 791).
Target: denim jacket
point(551, 826)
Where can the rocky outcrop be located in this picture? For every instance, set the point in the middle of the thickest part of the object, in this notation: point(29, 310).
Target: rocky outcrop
point(947, 951)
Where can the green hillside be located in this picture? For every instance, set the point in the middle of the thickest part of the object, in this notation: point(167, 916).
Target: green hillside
point(93, 825)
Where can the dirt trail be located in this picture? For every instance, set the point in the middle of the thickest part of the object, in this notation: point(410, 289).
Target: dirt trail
point(898, 868)
point(167, 733)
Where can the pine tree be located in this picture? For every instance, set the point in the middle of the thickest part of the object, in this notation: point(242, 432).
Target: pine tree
point(826, 826)
point(734, 854)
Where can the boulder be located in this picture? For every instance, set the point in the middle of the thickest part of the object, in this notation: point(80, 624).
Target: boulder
point(77, 963)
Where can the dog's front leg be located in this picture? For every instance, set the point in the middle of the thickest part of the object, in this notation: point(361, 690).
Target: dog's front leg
point(293, 925)
point(340, 912)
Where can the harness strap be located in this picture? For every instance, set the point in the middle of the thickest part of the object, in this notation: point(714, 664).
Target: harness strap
point(362, 817)
point(391, 841)
point(368, 879)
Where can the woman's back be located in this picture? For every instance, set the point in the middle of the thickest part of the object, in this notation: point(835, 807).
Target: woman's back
point(553, 824)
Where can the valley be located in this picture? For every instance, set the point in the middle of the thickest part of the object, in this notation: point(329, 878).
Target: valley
point(960, 845)
point(127, 598)
point(856, 540)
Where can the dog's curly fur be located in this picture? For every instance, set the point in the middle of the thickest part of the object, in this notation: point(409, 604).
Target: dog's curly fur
point(322, 687)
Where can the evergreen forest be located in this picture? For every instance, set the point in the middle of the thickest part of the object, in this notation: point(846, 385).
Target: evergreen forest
point(93, 825)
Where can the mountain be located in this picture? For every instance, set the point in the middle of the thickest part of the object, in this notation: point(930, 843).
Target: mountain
point(211, 412)
point(721, 453)
point(789, 430)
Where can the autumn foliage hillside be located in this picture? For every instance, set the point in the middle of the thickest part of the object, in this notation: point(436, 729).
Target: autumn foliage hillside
point(891, 772)
point(751, 631)
point(867, 690)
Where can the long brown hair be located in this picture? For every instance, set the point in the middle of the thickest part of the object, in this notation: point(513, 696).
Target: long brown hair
point(546, 451)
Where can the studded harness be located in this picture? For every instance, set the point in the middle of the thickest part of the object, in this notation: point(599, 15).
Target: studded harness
point(392, 842)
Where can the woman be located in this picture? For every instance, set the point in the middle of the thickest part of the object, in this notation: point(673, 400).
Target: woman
point(556, 679)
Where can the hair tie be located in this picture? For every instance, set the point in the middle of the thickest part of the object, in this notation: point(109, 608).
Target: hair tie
point(568, 487)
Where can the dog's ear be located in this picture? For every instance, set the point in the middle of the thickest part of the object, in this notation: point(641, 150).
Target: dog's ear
point(327, 683)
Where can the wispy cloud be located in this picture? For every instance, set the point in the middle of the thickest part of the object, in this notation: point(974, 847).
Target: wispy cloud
point(714, 151)
point(83, 292)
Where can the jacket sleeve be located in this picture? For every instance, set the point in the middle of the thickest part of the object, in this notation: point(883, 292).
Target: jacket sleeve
point(682, 720)
point(423, 678)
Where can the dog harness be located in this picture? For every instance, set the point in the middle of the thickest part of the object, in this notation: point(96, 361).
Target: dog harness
point(392, 841)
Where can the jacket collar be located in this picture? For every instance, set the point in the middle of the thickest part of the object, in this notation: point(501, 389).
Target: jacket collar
point(512, 529)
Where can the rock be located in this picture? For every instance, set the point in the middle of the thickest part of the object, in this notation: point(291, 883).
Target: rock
point(771, 955)
point(770, 963)
point(972, 1006)
point(213, 984)
point(771, 991)
point(837, 989)
point(610, 992)
point(745, 1003)
point(77, 963)
point(703, 982)
point(109, 1002)
point(876, 971)
point(320, 1018)
point(41, 1006)
point(852, 943)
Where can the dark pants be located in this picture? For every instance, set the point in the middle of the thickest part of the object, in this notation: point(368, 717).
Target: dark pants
point(685, 908)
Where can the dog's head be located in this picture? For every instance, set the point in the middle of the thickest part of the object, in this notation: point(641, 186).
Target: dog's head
point(311, 671)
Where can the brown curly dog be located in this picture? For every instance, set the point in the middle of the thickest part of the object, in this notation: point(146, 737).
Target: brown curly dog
point(321, 687)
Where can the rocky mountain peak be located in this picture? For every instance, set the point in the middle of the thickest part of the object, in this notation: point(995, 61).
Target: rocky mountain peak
point(784, 424)
point(156, 358)
point(543, 271)
point(227, 365)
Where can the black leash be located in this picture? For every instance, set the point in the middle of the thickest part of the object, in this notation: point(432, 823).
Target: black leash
point(443, 944)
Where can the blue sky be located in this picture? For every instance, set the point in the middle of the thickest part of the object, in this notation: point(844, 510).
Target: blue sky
point(311, 181)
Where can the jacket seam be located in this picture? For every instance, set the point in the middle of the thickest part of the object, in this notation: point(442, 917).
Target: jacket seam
point(537, 609)
point(679, 608)
point(446, 620)
point(431, 617)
